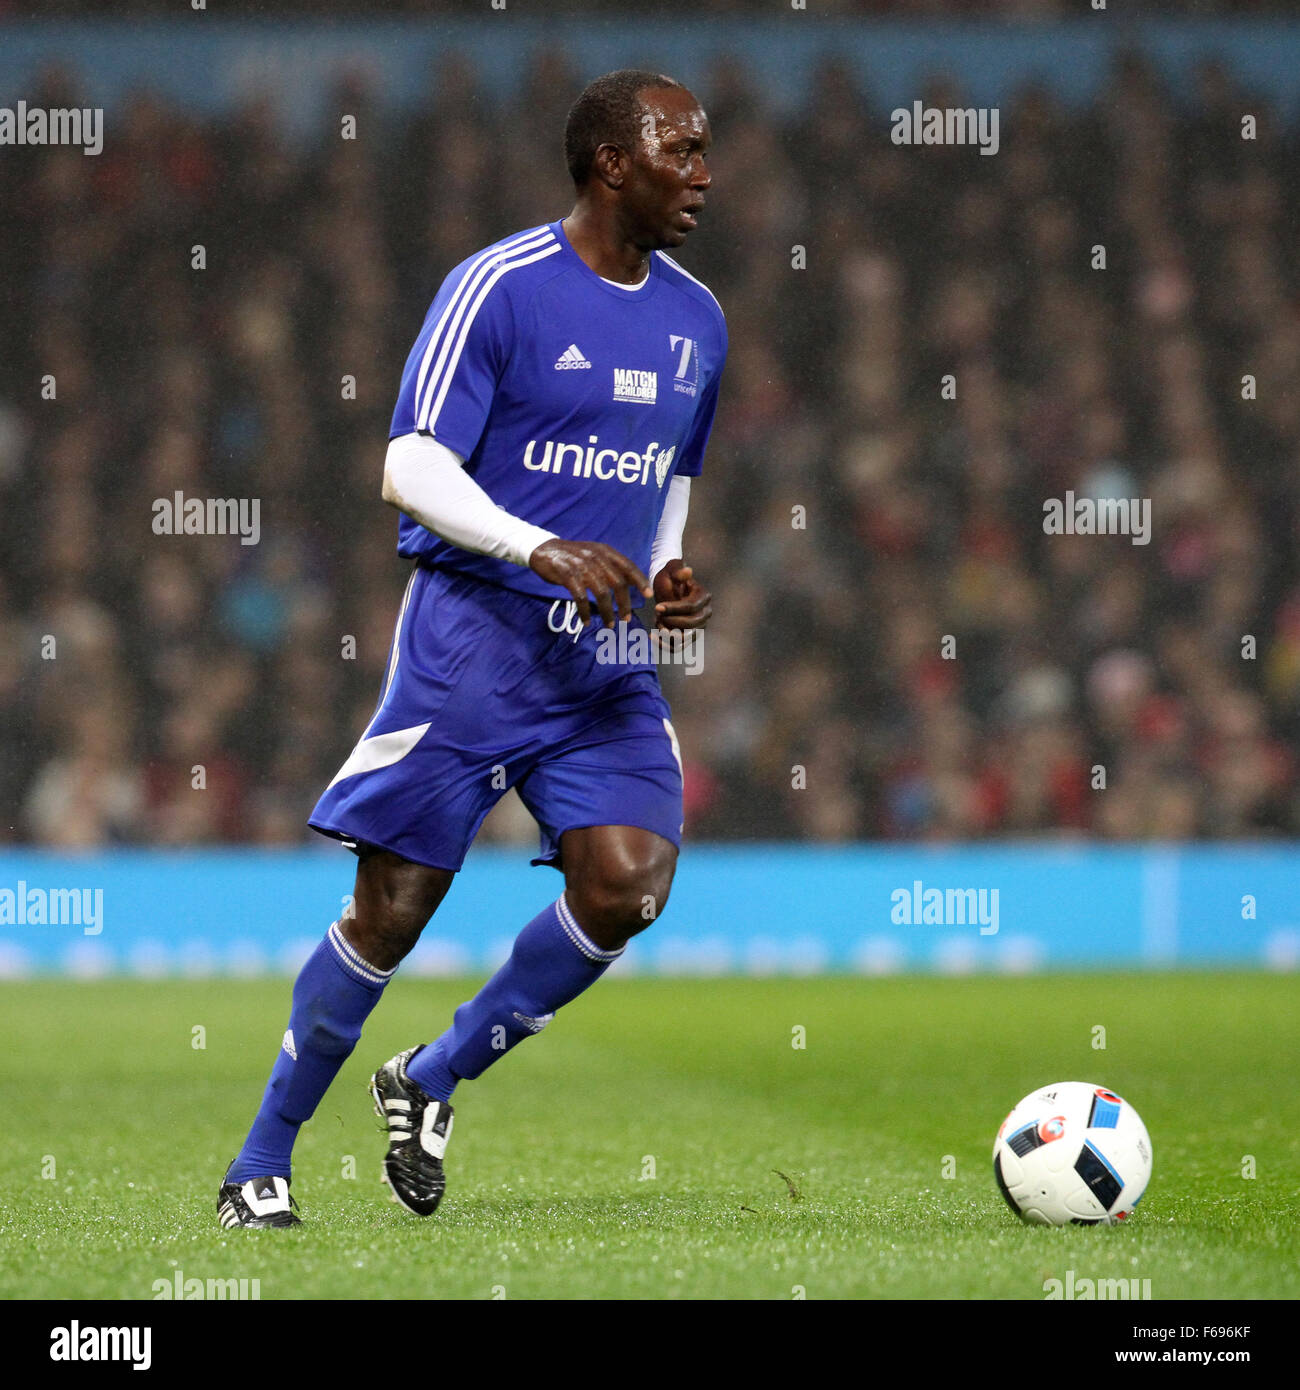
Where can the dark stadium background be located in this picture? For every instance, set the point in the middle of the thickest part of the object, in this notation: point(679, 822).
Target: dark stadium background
point(924, 515)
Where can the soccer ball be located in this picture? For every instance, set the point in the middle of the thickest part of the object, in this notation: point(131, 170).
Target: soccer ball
point(1072, 1153)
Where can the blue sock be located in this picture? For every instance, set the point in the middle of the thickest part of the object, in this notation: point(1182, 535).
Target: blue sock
point(553, 961)
point(332, 997)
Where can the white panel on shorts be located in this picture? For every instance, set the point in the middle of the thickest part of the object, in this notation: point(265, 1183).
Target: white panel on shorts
point(381, 751)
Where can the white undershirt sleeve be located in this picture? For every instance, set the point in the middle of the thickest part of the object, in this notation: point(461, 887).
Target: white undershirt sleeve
point(668, 538)
point(428, 482)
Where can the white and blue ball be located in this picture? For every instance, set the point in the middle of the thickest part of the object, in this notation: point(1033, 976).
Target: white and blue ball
point(1072, 1154)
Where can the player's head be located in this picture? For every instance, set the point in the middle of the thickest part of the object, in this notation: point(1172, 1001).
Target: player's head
point(638, 141)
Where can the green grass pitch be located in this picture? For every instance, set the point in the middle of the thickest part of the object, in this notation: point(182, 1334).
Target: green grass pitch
point(636, 1149)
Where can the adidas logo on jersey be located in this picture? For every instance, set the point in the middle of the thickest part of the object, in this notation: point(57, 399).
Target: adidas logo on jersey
point(571, 359)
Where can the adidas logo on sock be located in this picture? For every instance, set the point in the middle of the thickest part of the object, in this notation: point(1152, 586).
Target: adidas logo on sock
point(571, 359)
point(288, 1046)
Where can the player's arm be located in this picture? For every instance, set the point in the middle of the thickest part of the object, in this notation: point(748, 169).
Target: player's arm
point(427, 481)
point(680, 601)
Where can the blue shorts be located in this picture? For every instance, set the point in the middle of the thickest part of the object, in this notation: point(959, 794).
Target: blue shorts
point(488, 689)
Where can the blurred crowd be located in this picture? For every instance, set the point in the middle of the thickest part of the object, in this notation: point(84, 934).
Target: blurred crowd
point(899, 650)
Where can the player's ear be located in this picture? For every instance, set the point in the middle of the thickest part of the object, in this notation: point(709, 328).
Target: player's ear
point(609, 165)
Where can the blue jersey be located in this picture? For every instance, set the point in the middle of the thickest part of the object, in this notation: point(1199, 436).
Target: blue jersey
point(571, 399)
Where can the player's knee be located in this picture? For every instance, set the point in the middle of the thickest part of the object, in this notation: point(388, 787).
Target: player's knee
point(622, 899)
point(388, 933)
point(394, 901)
point(384, 940)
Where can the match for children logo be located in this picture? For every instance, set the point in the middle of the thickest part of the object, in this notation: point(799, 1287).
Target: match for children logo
point(945, 907)
point(53, 907)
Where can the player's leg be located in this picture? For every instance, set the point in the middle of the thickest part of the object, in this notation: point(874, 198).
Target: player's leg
point(618, 766)
point(333, 996)
point(589, 747)
point(393, 902)
point(608, 799)
point(407, 797)
point(616, 763)
point(617, 880)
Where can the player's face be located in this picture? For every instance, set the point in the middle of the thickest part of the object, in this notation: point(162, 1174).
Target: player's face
point(669, 175)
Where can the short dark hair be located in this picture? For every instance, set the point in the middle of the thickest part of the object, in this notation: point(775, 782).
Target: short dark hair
point(607, 112)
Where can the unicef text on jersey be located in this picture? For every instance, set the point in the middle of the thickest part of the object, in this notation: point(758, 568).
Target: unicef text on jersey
point(605, 464)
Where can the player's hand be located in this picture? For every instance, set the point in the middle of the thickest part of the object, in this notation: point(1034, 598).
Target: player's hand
point(681, 602)
point(590, 566)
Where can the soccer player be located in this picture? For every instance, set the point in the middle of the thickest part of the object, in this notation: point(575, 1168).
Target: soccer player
point(552, 414)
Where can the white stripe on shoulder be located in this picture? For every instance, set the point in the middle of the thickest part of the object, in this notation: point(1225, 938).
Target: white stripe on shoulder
point(682, 270)
point(443, 373)
point(504, 248)
point(462, 312)
point(434, 406)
